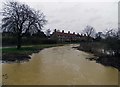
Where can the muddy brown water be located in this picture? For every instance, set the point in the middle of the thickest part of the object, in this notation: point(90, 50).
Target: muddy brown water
point(61, 65)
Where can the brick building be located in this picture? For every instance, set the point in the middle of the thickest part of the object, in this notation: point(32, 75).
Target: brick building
point(67, 37)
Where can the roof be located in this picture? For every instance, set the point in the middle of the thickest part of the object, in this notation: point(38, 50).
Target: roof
point(66, 34)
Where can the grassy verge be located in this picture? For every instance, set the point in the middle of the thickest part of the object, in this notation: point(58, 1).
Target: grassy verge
point(11, 54)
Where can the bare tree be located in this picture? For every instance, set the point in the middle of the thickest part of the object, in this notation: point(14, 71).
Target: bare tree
point(111, 33)
point(20, 19)
point(89, 31)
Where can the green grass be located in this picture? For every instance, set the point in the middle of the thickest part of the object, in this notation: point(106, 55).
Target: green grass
point(28, 49)
point(13, 54)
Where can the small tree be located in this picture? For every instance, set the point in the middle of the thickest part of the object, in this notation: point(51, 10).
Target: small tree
point(20, 19)
point(89, 31)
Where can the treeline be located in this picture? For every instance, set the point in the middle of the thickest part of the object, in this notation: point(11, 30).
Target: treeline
point(9, 39)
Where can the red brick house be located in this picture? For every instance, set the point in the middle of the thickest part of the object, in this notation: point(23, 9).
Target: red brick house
point(64, 37)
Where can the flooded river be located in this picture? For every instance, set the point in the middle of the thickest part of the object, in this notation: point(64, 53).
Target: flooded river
point(62, 65)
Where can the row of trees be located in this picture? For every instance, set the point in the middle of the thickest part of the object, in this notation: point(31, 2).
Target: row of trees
point(110, 38)
point(89, 31)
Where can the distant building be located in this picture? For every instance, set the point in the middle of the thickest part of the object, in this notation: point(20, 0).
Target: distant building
point(68, 37)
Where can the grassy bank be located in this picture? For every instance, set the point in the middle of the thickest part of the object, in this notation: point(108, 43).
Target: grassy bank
point(11, 54)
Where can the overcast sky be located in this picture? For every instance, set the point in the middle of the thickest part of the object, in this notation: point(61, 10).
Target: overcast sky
point(74, 15)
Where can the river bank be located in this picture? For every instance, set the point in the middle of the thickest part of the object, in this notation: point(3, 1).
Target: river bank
point(11, 54)
point(106, 60)
point(60, 65)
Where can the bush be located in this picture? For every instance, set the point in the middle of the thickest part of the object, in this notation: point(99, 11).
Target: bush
point(9, 41)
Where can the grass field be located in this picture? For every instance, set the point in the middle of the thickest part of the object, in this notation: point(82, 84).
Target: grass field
point(29, 48)
point(13, 54)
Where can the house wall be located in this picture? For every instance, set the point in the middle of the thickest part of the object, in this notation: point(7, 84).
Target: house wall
point(67, 37)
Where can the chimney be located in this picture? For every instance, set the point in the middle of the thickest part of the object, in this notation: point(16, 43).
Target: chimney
point(62, 31)
point(73, 32)
point(68, 32)
point(77, 33)
point(55, 30)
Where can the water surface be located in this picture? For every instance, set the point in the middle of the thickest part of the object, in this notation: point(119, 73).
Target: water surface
point(59, 66)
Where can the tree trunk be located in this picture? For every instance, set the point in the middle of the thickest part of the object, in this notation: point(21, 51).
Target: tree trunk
point(19, 42)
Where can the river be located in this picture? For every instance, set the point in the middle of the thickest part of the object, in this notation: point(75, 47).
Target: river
point(61, 65)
